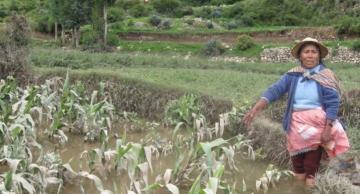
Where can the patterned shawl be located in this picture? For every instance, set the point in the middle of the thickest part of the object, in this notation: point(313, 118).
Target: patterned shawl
point(324, 77)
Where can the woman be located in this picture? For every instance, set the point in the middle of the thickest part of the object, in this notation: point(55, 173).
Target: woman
point(310, 120)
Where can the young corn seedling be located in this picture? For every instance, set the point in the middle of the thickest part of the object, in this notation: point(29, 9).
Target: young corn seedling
point(271, 177)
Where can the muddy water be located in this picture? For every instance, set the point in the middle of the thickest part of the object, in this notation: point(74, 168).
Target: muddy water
point(248, 170)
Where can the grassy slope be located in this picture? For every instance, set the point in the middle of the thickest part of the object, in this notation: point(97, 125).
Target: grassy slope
point(178, 27)
point(240, 87)
point(195, 48)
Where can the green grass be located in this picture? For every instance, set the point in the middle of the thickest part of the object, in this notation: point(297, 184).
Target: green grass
point(184, 48)
point(224, 84)
point(233, 81)
point(160, 46)
point(238, 86)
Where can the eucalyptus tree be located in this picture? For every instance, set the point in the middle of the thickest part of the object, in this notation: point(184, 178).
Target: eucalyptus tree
point(56, 9)
point(99, 19)
point(76, 13)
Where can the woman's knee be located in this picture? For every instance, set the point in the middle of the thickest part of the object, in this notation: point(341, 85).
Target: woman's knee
point(312, 162)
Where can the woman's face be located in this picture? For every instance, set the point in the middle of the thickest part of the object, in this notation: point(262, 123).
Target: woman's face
point(309, 56)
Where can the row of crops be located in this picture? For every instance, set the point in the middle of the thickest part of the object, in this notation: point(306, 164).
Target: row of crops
point(57, 110)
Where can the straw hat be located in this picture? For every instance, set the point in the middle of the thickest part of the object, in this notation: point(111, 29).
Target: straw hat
point(323, 50)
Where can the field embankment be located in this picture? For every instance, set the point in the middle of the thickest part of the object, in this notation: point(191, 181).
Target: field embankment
point(147, 99)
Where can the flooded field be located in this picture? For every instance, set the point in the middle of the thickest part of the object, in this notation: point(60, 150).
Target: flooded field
point(248, 171)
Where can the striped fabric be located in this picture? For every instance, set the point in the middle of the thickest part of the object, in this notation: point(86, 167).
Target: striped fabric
point(324, 77)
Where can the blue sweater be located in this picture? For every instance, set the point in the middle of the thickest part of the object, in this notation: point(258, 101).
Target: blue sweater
point(306, 95)
point(329, 98)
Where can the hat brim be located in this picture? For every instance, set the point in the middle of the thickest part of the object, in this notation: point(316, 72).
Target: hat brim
point(323, 50)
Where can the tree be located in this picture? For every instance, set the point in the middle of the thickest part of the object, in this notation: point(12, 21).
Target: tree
point(99, 18)
point(76, 13)
point(56, 10)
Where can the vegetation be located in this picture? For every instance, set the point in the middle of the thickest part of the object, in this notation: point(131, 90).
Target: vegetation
point(82, 120)
point(51, 16)
point(204, 144)
point(214, 48)
point(244, 42)
point(182, 110)
point(14, 47)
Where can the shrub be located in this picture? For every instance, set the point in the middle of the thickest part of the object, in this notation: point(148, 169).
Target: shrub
point(155, 20)
point(234, 11)
point(139, 10)
point(14, 47)
point(166, 6)
point(356, 46)
point(209, 25)
point(184, 11)
point(41, 24)
point(204, 12)
point(348, 26)
point(190, 21)
point(3, 11)
point(213, 48)
point(247, 20)
point(117, 26)
point(127, 4)
point(88, 37)
point(290, 20)
point(113, 39)
point(231, 25)
point(115, 14)
point(166, 24)
point(244, 42)
point(130, 23)
point(216, 13)
point(222, 2)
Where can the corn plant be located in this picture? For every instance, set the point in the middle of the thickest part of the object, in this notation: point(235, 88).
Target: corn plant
point(212, 184)
point(208, 154)
point(181, 110)
point(94, 117)
point(17, 180)
point(271, 177)
point(133, 158)
point(15, 143)
point(8, 95)
point(163, 182)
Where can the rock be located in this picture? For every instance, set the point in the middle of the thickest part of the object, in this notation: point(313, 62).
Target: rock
point(344, 55)
point(283, 54)
point(139, 24)
point(273, 55)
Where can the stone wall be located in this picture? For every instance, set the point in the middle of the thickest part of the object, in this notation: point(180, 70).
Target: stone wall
point(344, 55)
point(282, 54)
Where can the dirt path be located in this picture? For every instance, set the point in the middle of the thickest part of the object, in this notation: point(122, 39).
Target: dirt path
point(283, 36)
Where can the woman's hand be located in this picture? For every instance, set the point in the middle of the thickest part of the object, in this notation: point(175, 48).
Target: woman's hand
point(326, 135)
point(249, 116)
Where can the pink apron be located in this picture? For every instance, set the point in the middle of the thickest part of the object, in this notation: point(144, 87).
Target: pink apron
point(305, 133)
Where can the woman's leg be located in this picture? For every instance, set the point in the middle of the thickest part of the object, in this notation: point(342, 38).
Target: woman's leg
point(300, 176)
point(298, 166)
point(311, 165)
